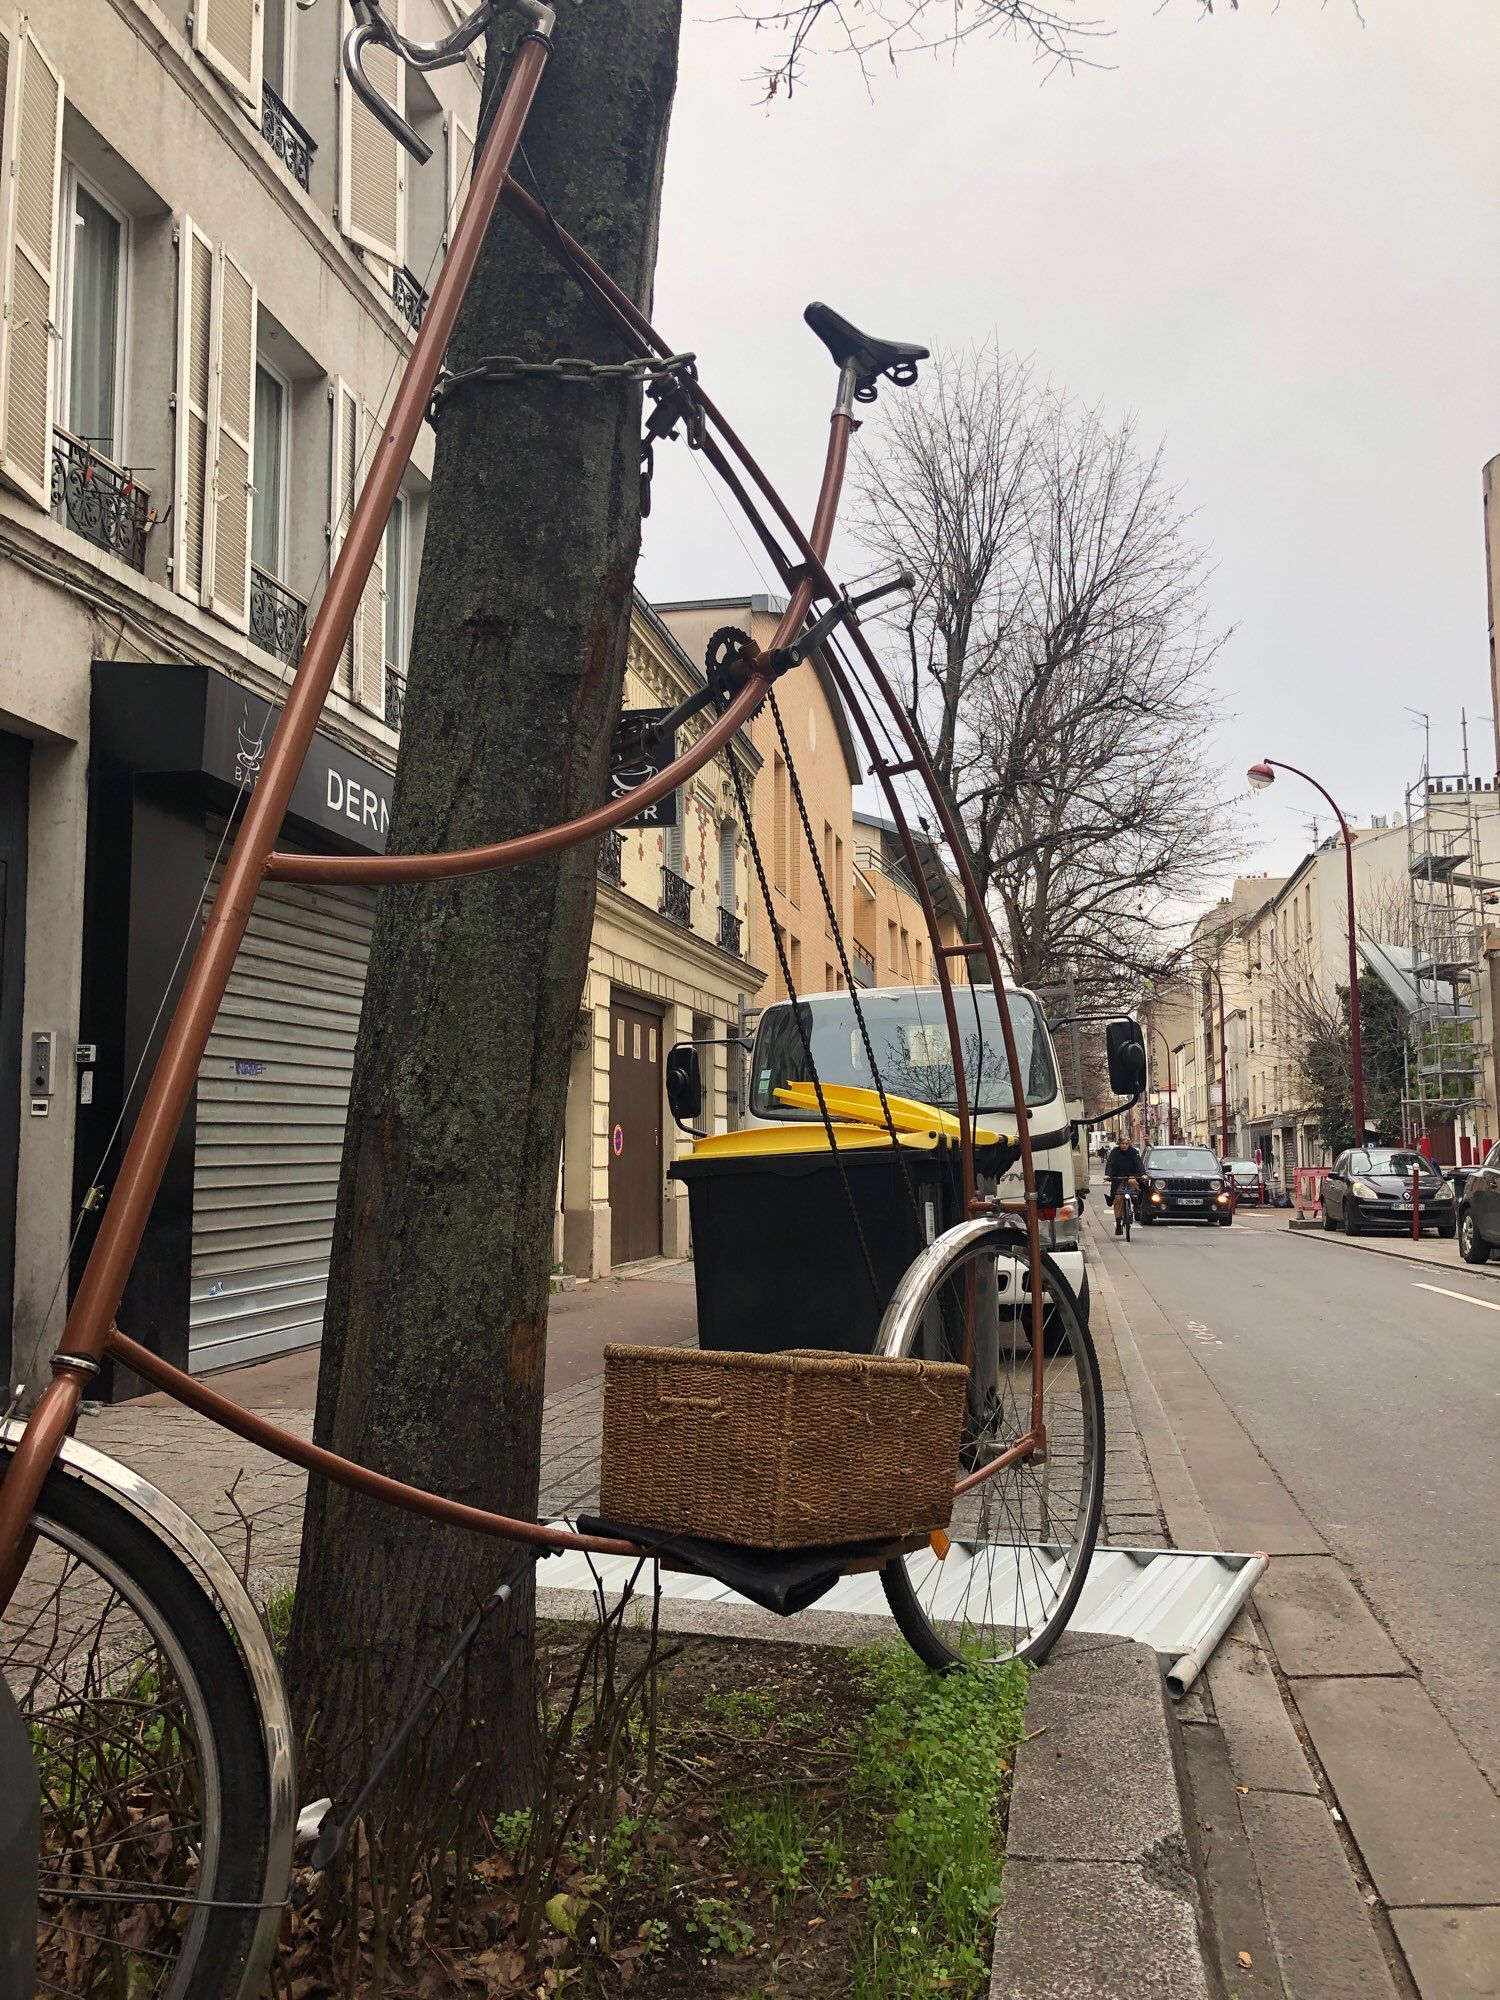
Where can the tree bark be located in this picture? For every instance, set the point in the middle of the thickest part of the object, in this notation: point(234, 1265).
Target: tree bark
point(435, 1331)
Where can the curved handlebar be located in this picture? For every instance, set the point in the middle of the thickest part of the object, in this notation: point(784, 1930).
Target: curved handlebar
point(371, 28)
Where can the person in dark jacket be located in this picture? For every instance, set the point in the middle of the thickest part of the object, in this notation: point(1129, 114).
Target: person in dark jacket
point(1124, 1169)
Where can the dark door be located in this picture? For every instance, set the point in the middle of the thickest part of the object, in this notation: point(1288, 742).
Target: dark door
point(15, 762)
point(635, 1086)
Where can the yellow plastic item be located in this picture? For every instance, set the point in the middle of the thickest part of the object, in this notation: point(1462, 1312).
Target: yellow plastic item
point(769, 1140)
point(847, 1100)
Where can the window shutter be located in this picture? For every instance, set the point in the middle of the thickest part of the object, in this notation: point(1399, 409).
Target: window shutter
point(231, 441)
point(460, 162)
point(371, 163)
point(342, 488)
point(190, 513)
point(229, 35)
point(369, 651)
point(31, 165)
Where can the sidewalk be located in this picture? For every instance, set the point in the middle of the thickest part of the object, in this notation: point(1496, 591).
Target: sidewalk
point(1437, 1252)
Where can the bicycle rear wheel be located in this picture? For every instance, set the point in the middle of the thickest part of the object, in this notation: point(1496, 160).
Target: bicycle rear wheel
point(150, 1756)
point(1019, 1544)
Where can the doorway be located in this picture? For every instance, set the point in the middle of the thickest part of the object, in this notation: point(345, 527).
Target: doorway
point(635, 1088)
point(15, 769)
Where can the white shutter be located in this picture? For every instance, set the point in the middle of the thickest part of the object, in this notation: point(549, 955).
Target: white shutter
point(230, 35)
point(31, 165)
point(372, 207)
point(458, 166)
point(369, 645)
point(355, 435)
point(231, 442)
point(343, 486)
point(190, 513)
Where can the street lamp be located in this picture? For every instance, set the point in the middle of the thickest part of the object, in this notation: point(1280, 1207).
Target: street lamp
point(1261, 775)
point(1223, 1067)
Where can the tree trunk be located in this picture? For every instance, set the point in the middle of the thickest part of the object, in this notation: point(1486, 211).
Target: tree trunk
point(435, 1331)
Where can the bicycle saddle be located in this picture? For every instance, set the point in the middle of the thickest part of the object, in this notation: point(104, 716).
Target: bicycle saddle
point(895, 359)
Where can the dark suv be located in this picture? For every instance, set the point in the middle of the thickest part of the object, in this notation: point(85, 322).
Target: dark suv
point(1185, 1184)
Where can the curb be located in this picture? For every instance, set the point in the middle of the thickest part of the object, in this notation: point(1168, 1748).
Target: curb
point(1367, 1247)
point(1102, 1895)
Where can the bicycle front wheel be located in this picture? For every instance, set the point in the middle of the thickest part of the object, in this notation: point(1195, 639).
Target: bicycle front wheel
point(1004, 1581)
point(155, 1803)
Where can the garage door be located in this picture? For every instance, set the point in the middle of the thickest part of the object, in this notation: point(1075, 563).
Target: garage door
point(273, 1092)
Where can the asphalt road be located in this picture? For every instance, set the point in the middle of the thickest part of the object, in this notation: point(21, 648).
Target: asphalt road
point(1376, 1402)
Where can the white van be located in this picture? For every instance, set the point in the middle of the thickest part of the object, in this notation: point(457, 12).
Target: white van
point(909, 1034)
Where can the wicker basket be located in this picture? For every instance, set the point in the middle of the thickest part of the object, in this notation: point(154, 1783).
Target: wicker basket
point(779, 1451)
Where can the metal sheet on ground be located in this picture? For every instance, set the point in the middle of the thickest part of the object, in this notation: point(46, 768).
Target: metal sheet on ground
point(1180, 1602)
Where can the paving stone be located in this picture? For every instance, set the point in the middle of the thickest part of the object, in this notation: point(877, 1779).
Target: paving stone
point(1086, 1930)
point(1318, 1623)
point(1103, 1781)
point(1326, 1946)
point(1452, 1954)
point(1261, 1738)
point(1433, 1842)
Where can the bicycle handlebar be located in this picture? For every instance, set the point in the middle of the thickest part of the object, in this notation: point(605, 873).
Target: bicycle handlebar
point(372, 29)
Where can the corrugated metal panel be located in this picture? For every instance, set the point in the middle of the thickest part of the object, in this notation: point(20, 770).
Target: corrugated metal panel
point(1180, 1602)
point(273, 1091)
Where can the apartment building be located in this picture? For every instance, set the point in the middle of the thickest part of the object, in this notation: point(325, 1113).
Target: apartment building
point(669, 963)
point(891, 942)
point(209, 256)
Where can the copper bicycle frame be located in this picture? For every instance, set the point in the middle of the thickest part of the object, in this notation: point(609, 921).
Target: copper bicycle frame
point(90, 1332)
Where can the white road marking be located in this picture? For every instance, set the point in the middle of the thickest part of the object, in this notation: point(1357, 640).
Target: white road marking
point(1467, 1297)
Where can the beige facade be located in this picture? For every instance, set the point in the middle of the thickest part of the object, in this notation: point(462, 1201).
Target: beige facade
point(206, 253)
point(670, 930)
point(892, 945)
point(824, 763)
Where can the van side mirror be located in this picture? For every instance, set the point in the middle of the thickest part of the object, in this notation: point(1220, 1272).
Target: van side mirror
point(684, 1079)
point(1125, 1051)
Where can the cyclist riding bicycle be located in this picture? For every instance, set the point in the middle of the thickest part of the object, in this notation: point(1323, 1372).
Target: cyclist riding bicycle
point(1124, 1171)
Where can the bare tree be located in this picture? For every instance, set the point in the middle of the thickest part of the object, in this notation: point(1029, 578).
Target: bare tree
point(1057, 661)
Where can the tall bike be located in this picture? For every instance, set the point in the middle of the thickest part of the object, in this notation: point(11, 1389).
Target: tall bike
point(162, 1736)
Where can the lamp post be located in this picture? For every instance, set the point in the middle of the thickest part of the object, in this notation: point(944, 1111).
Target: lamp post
point(1171, 1134)
point(1261, 775)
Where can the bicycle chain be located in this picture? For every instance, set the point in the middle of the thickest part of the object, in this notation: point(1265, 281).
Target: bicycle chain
point(563, 368)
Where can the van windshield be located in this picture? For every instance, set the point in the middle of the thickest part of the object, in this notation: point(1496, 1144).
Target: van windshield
point(909, 1034)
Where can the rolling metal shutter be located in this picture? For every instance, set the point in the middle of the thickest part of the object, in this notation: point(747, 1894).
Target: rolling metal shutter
point(272, 1095)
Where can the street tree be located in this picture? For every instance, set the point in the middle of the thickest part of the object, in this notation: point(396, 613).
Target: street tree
point(1057, 661)
point(435, 1326)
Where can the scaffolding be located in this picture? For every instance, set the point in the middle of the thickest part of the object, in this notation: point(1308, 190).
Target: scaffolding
point(1448, 889)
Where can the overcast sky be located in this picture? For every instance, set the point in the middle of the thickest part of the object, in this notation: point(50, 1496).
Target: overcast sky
point(1270, 234)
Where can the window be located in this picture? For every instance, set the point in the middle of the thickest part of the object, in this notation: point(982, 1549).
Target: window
point(779, 815)
point(395, 586)
point(675, 843)
point(728, 838)
point(94, 315)
point(268, 520)
point(893, 963)
point(277, 56)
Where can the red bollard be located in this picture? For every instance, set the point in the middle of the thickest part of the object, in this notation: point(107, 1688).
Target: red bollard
point(1416, 1204)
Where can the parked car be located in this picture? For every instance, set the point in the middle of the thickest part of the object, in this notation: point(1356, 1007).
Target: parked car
point(1248, 1181)
point(1185, 1184)
point(1479, 1210)
point(1370, 1187)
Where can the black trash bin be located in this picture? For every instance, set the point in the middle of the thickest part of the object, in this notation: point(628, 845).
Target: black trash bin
point(777, 1256)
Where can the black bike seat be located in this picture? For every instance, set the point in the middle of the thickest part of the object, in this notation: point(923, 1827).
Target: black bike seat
point(871, 357)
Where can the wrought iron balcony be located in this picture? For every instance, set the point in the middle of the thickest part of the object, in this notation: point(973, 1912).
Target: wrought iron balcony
point(729, 931)
point(395, 696)
point(410, 298)
point(99, 500)
point(610, 864)
point(863, 965)
point(278, 617)
point(288, 139)
point(676, 898)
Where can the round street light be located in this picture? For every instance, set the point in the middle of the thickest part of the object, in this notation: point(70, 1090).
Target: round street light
point(1260, 775)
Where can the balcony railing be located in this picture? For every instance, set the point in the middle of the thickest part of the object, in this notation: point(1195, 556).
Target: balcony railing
point(410, 298)
point(99, 500)
point(729, 931)
point(676, 898)
point(278, 616)
point(289, 140)
point(864, 965)
point(395, 696)
point(610, 866)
